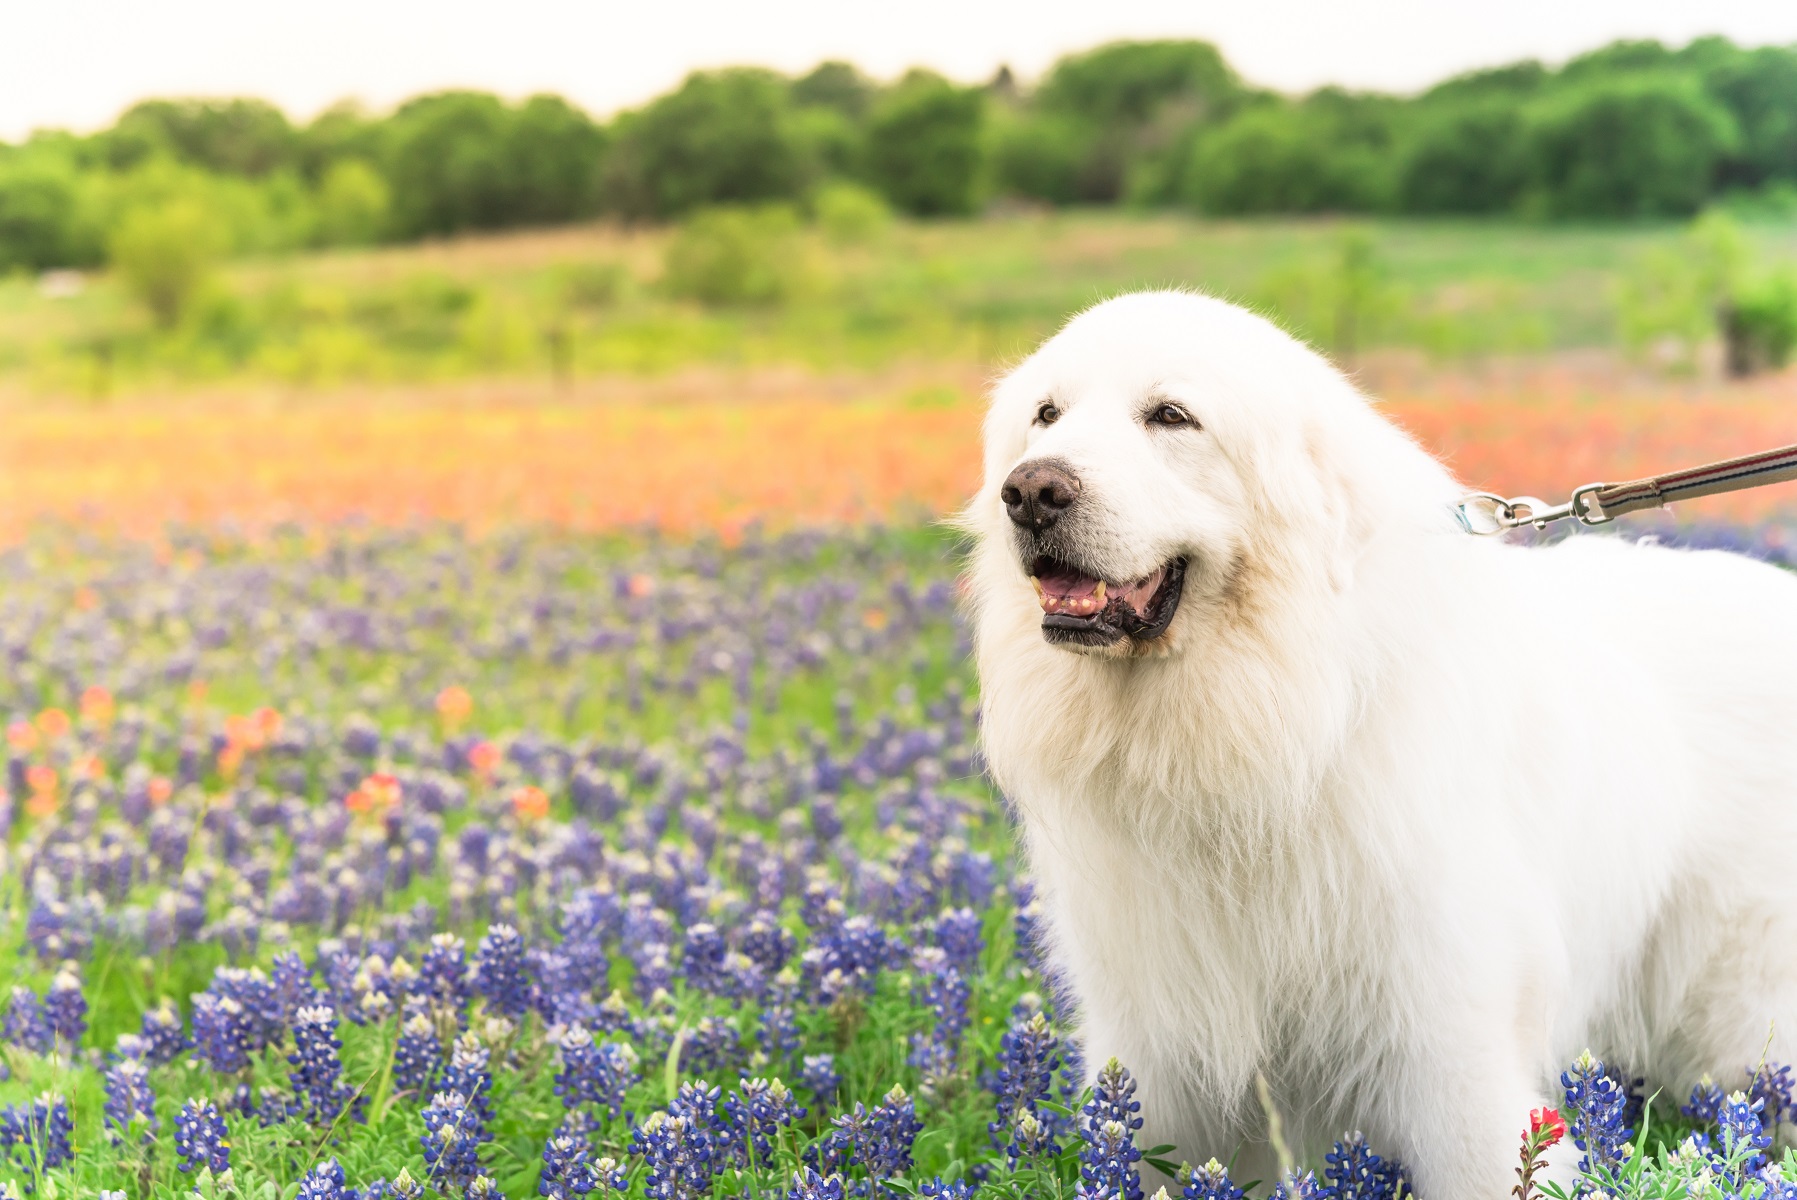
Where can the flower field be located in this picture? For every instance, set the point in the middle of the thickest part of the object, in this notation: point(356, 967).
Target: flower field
point(389, 864)
point(480, 793)
point(716, 452)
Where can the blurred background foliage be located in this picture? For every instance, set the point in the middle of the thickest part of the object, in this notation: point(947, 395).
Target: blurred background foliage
point(749, 215)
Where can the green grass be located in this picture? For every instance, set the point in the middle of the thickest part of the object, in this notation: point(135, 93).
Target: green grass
point(591, 301)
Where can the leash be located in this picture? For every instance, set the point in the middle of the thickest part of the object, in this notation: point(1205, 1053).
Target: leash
point(1484, 514)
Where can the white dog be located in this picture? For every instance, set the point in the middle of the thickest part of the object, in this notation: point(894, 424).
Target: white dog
point(1319, 787)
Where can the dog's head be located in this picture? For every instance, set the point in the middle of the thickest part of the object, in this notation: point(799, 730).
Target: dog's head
point(1168, 457)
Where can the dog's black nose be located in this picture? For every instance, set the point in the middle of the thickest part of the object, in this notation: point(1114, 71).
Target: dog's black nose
point(1037, 493)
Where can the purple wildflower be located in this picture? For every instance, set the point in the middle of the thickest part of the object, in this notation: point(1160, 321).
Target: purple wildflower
point(201, 1140)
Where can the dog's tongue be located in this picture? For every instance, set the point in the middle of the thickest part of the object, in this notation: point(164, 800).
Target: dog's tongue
point(1062, 589)
point(1065, 590)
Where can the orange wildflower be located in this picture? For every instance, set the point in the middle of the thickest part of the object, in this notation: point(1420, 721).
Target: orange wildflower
point(530, 803)
point(97, 705)
point(454, 706)
point(43, 782)
point(640, 586)
point(159, 789)
point(484, 758)
point(230, 760)
point(269, 722)
point(374, 795)
point(53, 723)
point(21, 736)
point(86, 599)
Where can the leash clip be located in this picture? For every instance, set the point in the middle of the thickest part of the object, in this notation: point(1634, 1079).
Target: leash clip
point(1484, 514)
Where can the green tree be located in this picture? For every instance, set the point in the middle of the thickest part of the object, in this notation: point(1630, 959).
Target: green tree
point(1104, 116)
point(234, 137)
point(554, 153)
point(1642, 145)
point(721, 137)
point(1327, 154)
point(1465, 158)
point(42, 216)
point(446, 163)
point(1759, 88)
point(835, 85)
point(925, 150)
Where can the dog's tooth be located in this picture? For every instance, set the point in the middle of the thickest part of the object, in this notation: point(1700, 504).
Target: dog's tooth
point(1037, 584)
point(1098, 596)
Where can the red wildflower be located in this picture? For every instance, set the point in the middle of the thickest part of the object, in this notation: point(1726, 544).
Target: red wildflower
point(1546, 1127)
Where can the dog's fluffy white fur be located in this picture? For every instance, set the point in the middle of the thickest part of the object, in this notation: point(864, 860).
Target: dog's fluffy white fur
point(1400, 818)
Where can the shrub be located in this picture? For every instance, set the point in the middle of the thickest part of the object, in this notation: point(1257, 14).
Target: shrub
point(1635, 146)
point(353, 204)
point(1759, 323)
point(734, 256)
point(849, 214)
point(924, 146)
point(724, 137)
point(165, 255)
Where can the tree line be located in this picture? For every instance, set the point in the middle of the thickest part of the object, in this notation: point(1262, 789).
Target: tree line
point(1633, 130)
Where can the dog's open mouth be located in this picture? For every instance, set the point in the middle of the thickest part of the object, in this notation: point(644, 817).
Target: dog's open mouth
point(1083, 610)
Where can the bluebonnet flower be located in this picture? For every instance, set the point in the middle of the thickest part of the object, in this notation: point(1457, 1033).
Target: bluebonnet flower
point(568, 1170)
point(953, 1189)
point(759, 1109)
point(702, 959)
point(317, 1068)
point(453, 1132)
point(1597, 1103)
point(499, 971)
point(1294, 1186)
point(943, 994)
point(325, 1182)
point(66, 1009)
point(1209, 1182)
point(443, 975)
point(401, 1187)
point(767, 943)
point(1027, 1058)
point(680, 1156)
point(201, 1140)
point(878, 1141)
point(1354, 1172)
point(1707, 1099)
point(958, 932)
point(416, 1055)
point(1743, 1136)
point(779, 1034)
point(129, 1098)
point(219, 1033)
point(1772, 1086)
point(40, 1132)
point(713, 1047)
point(27, 1025)
point(819, 1076)
point(467, 1075)
point(293, 983)
point(807, 1184)
point(162, 1033)
point(594, 1074)
point(1107, 1127)
point(1031, 1139)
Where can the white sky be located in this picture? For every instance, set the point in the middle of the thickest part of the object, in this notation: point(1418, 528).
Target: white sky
point(77, 63)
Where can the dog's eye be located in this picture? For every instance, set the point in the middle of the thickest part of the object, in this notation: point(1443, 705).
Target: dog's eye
point(1169, 414)
point(1048, 414)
